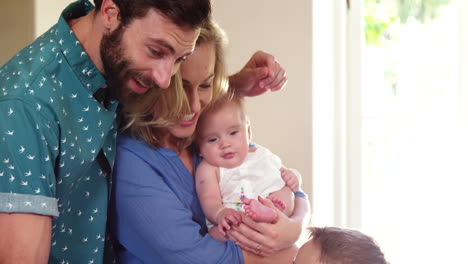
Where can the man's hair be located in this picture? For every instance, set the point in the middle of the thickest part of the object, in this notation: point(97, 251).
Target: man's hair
point(346, 246)
point(183, 13)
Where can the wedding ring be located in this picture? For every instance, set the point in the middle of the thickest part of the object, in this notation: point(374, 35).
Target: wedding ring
point(257, 248)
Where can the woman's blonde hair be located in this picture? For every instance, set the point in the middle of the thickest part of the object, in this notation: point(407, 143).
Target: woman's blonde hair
point(147, 115)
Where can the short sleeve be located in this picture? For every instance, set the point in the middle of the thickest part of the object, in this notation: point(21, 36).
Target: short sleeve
point(28, 147)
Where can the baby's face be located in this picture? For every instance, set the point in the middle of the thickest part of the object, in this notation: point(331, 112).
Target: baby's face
point(309, 253)
point(224, 137)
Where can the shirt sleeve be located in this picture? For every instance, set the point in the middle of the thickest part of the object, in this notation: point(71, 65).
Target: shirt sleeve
point(150, 222)
point(27, 181)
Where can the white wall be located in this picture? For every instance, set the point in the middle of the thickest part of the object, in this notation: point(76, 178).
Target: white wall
point(22, 21)
point(282, 120)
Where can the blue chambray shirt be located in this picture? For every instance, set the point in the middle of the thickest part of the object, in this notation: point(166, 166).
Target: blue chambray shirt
point(53, 125)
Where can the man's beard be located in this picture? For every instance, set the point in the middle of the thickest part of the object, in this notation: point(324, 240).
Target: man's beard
point(117, 68)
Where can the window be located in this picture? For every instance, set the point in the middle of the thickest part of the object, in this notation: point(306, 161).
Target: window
point(390, 124)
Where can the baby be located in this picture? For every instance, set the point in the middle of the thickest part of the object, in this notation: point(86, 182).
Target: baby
point(235, 172)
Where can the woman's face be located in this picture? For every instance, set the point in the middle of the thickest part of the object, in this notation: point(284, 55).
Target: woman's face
point(197, 77)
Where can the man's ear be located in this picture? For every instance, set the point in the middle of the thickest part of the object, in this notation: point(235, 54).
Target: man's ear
point(110, 15)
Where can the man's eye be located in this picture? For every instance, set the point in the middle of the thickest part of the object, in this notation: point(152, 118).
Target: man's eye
point(154, 52)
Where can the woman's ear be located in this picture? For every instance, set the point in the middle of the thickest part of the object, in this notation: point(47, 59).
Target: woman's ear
point(110, 15)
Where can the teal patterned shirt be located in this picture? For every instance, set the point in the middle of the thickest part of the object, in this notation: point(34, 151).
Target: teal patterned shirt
point(57, 140)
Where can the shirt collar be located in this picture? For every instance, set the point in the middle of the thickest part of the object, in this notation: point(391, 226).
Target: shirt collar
point(72, 50)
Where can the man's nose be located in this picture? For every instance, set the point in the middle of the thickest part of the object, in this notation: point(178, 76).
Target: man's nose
point(162, 76)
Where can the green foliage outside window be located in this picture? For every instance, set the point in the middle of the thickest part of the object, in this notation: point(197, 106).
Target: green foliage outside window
point(382, 15)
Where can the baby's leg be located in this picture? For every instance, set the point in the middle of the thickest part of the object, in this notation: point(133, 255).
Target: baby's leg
point(259, 212)
point(283, 200)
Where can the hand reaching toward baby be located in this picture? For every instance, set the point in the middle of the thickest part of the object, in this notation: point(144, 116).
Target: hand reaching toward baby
point(227, 217)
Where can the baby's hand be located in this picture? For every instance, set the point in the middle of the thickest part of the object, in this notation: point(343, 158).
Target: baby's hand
point(227, 217)
point(291, 177)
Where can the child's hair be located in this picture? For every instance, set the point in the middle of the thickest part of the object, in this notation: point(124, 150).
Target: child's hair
point(215, 106)
point(346, 246)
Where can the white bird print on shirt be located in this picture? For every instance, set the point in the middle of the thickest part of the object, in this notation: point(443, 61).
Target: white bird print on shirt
point(21, 149)
point(85, 128)
point(95, 211)
point(85, 239)
point(28, 173)
point(89, 139)
point(1, 174)
point(38, 190)
point(6, 160)
point(12, 178)
point(10, 133)
point(24, 183)
point(80, 120)
point(27, 203)
point(39, 107)
point(86, 109)
point(10, 112)
point(30, 157)
point(74, 95)
point(11, 167)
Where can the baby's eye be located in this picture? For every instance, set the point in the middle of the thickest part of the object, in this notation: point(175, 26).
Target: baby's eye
point(211, 140)
point(233, 133)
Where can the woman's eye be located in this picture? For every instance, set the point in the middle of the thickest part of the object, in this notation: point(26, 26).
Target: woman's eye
point(181, 59)
point(205, 86)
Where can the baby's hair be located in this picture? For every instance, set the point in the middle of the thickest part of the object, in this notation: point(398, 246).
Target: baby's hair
point(346, 246)
point(217, 104)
